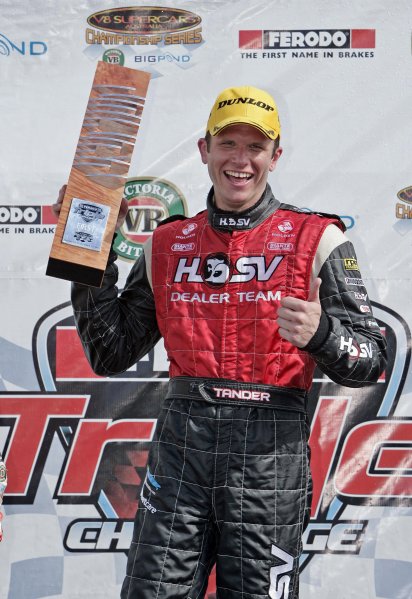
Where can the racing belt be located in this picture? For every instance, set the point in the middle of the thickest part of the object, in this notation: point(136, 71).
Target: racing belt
point(225, 391)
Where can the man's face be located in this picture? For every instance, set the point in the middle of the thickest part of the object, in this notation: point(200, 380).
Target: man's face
point(239, 161)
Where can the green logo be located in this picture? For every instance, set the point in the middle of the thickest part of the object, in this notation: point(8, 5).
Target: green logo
point(113, 56)
point(150, 200)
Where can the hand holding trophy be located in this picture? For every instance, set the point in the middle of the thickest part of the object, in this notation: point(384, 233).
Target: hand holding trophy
point(90, 205)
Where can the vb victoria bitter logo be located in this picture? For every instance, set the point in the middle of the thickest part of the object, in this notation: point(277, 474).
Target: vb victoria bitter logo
point(150, 200)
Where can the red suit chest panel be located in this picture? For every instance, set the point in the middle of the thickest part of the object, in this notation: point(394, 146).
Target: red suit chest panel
point(217, 295)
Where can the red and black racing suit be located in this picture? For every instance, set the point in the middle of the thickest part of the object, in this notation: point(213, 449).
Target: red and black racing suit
point(228, 477)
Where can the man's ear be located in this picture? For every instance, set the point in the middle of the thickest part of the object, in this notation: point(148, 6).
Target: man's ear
point(275, 158)
point(202, 145)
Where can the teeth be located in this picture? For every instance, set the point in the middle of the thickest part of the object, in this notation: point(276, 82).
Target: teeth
point(238, 175)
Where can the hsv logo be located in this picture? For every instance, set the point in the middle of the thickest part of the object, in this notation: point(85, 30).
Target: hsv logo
point(360, 296)
point(216, 269)
point(364, 350)
point(279, 577)
point(232, 222)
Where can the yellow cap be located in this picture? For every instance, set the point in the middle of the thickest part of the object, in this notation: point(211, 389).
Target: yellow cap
point(244, 105)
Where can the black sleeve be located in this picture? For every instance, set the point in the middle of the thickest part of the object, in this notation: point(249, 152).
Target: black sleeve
point(116, 330)
point(348, 346)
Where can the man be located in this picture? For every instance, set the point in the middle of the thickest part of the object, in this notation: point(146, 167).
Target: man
point(249, 296)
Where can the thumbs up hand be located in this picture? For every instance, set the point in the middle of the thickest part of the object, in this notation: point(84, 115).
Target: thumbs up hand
point(298, 319)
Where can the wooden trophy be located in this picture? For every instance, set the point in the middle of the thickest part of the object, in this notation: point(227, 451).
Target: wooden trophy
point(91, 204)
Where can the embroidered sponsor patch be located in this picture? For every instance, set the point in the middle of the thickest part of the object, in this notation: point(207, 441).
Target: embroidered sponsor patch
point(350, 264)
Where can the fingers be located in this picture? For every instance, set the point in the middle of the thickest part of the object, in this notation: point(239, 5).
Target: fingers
point(56, 207)
point(291, 304)
point(298, 319)
point(293, 338)
point(124, 207)
point(289, 323)
point(62, 191)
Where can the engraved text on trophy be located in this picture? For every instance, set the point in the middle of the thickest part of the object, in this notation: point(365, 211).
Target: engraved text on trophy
point(108, 134)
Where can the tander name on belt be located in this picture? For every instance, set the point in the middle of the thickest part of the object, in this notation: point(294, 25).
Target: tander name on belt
point(225, 393)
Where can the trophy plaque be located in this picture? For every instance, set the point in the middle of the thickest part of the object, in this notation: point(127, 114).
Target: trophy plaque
point(91, 204)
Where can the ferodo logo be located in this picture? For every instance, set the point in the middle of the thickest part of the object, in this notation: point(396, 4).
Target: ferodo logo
point(307, 38)
point(404, 210)
point(27, 220)
point(144, 25)
point(20, 215)
point(150, 201)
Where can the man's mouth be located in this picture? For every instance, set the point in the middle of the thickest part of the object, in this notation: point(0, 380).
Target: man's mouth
point(238, 176)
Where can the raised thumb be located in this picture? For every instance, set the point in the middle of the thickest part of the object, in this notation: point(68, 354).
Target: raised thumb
point(314, 290)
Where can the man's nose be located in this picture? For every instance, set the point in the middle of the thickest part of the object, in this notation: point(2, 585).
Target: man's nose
point(241, 156)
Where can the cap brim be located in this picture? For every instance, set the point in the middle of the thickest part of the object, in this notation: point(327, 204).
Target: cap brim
point(270, 133)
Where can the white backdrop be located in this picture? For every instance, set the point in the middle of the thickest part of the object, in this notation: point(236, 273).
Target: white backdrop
point(346, 132)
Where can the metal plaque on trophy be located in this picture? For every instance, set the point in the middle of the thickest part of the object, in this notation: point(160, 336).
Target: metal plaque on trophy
point(91, 204)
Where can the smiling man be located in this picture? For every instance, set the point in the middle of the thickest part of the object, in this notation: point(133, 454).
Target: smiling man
point(240, 157)
point(249, 295)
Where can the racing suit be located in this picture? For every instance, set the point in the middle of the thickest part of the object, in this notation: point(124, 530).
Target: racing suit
point(228, 477)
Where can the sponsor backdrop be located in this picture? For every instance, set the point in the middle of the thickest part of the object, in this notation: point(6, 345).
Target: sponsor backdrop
point(76, 444)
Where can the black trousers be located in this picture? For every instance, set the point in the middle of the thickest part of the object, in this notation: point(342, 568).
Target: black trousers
point(225, 484)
